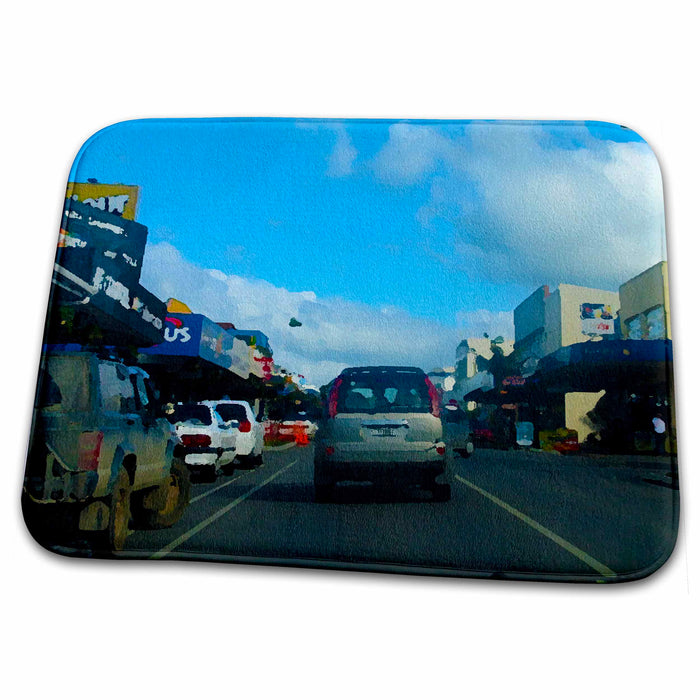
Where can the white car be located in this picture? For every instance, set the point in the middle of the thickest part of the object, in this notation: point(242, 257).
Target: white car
point(207, 441)
point(383, 425)
point(250, 432)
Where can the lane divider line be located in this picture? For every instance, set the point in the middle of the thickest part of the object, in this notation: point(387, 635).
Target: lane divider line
point(212, 518)
point(216, 488)
point(572, 549)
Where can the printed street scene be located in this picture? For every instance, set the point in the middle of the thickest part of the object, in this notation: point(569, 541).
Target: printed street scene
point(429, 347)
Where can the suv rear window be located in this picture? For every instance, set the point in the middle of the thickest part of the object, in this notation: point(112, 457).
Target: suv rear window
point(232, 411)
point(190, 413)
point(384, 392)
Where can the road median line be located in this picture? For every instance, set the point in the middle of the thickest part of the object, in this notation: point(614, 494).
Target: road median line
point(215, 516)
point(217, 488)
point(572, 549)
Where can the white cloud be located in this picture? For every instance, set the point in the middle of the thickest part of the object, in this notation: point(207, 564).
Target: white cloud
point(521, 207)
point(343, 155)
point(411, 153)
point(475, 323)
point(334, 334)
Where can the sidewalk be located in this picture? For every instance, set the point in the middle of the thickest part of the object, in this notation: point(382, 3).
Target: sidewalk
point(643, 461)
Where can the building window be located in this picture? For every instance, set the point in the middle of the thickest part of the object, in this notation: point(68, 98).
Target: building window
point(635, 328)
point(650, 325)
point(656, 323)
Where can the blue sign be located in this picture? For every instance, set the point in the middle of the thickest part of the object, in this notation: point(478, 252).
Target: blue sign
point(182, 333)
point(195, 335)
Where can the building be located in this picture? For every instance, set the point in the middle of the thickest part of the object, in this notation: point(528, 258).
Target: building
point(645, 313)
point(609, 390)
point(547, 321)
point(472, 376)
point(443, 378)
point(97, 296)
point(98, 301)
point(472, 354)
point(530, 321)
point(200, 359)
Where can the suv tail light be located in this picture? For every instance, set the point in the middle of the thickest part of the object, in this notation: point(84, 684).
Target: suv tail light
point(195, 440)
point(244, 426)
point(434, 398)
point(333, 398)
point(89, 446)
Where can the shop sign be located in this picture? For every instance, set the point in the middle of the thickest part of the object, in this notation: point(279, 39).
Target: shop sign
point(90, 238)
point(195, 335)
point(181, 334)
point(597, 319)
point(120, 200)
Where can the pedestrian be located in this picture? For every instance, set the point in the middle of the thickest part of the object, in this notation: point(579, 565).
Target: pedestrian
point(659, 434)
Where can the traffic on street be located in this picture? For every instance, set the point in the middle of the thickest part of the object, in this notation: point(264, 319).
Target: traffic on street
point(511, 515)
point(310, 367)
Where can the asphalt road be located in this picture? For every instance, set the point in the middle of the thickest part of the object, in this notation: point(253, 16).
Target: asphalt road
point(512, 514)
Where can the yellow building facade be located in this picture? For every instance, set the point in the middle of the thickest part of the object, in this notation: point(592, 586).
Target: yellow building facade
point(562, 310)
point(547, 321)
point(645, 312)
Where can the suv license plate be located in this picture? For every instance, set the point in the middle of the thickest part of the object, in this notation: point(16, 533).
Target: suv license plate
point(383, 432)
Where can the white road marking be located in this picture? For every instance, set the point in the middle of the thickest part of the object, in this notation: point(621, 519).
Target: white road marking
point(572, 549)
point(216, 488)
point(222, 511)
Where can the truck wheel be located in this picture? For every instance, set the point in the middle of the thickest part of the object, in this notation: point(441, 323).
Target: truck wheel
point(119, 513)
point(164, 505)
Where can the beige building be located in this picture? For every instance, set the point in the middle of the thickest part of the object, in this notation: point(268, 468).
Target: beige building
point(472, 348)
point(547, 321)
point(467, 375)
point(564, 324)
point(645, 313)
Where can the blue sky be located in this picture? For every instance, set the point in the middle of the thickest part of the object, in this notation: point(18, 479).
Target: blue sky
point(437, 228)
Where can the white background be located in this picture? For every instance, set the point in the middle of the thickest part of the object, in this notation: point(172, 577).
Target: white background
point(185, 630)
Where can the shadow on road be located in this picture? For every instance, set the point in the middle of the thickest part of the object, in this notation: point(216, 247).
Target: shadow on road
point(351, 494)
point(672, 483)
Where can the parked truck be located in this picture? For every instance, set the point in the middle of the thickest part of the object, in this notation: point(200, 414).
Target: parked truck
point(101, 456)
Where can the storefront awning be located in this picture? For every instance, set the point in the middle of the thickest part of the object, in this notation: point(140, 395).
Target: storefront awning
point(594, 366)
point(196, 336)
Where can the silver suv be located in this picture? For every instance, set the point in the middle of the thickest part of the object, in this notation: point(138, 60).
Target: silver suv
point(99, 453)
point(382, 425)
